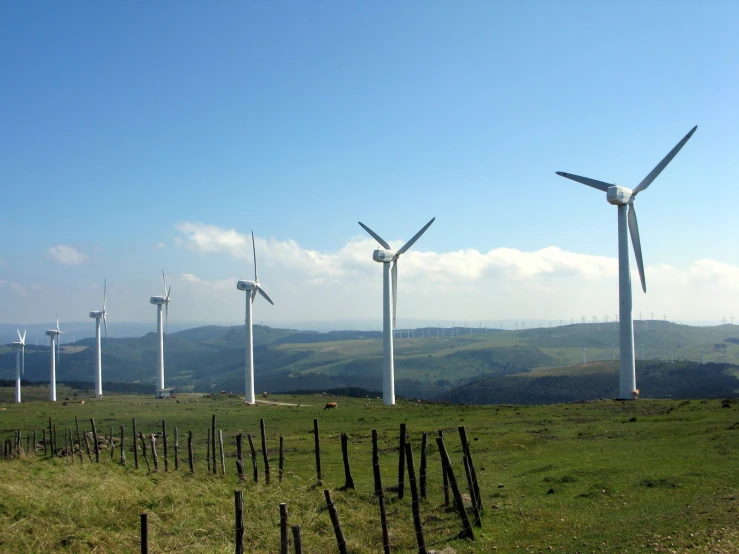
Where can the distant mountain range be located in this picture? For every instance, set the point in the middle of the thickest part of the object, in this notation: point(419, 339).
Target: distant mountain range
point(540, 364)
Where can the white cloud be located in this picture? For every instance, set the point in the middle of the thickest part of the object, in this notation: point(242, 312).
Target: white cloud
point(160, 245)
point(68, 255)
point(13, 287)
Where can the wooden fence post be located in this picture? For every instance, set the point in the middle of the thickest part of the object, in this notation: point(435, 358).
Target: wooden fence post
point(445, 476)
point(264, 451)
point(239, 509)
point(348, 479)
point(380, 493)
point(422, 470)
point(317, 440)
point(79, 440)
point(213, 444)
point(415, 508)
point(135, 446)
point(282, 461)
point(446, 464)
point(189, 452)
point(164, 444)
point(284, 530)
point(144, 534)
point(475, 505)
point(95, 441)
point(87, 445)
point(143, 450)
point(43, 436)
point(223, 457)
point(239, 458)
point(401, 462)
point(123, 445)
point(154, 456)
point(473, 473)
point(255, 469)
point(297, 540)
point(176, 449)
point(340, 540)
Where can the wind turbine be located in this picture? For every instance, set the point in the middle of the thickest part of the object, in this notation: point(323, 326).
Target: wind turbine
point(160, 301)
point(251, 287)
point(53, 334)
point(624, 198)
point(98, 358)
point(20, 363)
point(386, 256)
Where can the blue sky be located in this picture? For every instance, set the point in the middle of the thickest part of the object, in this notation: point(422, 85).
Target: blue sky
point(136, 136)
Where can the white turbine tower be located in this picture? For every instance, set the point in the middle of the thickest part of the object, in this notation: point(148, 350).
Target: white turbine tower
point(99, 357)
point(386, 257)
point(53, 334)
point(251, 288)
point(20, 363)
point(624, 198)
point(160, 301)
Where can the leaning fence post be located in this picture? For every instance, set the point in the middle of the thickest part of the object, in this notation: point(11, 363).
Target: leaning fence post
point(475, 505)
point(189, 452)
point(143, 450)
point(317, 440)
point(414, 500)
point(297, 540)
point(348, 479)
point(123, 446)
point(380, 493)
point(473, 473)
point(95, 441)
point(253, 458)
point(447, 466)
point(239, 509)
point(282, 462)
point(112, 445)
point(79, 440)
point(164, 443)
point(445, 476)
point(284, 530)
point(213, 444)
point(154, 456)
point(176, 449)
point(422, 470)
point(87, 445)
point(264, 451)
point(135, 446)
point(144, 534)
point(220, 446)
point(239, 459)
point(401, 462)
point(340, 540)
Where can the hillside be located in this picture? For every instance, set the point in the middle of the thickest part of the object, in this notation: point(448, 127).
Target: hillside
point(212, 357)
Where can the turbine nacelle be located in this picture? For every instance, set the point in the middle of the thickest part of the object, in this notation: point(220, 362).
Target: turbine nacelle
point(17, 345)
point(619, 196)
point(97, 315)
point(383, 256)
point(53, 332)
point(158, 300)
point(247, 286)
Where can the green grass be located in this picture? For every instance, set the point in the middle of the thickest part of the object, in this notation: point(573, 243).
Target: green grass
point(595, 477)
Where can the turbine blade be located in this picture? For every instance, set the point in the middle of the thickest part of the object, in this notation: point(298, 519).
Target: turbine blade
point(254, 251)
point(261, 291)
point(19, 335)
point(166, 317)
point(165, 283)
point(23, 360)
point(600, 185)
point(408, 244)
point(105, 322)
point(253, 295)
point(105, 294)
point(395, 288)
point(166, 298)
point(23, 340)
point(634, 232)
point(661, 165)
point(375, 236)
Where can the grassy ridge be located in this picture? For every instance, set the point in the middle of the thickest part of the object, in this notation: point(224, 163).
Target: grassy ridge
point(601, 476)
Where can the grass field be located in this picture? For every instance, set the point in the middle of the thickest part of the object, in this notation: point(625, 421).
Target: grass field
point(589, 477)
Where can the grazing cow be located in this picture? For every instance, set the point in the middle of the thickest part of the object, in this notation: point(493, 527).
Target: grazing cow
point(330, 406)
point(265, 395)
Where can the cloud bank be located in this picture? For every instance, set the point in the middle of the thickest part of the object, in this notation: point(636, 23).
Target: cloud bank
point(67, 255)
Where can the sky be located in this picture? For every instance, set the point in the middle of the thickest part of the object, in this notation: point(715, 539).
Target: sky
point(143, 136)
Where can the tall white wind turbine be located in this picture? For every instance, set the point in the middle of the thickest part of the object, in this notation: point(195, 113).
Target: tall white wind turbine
point(624, 198)
point(53, 334)
point(99, 356)
point(386, 257)
point(160, 301)
point(251, 288)
point(20, 363)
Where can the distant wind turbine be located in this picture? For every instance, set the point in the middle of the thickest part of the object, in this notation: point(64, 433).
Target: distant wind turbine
point(20, 363)
point(624, 198)
point(160, 301)
point(53, 335)
point(386, 257)
point(98, 352)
